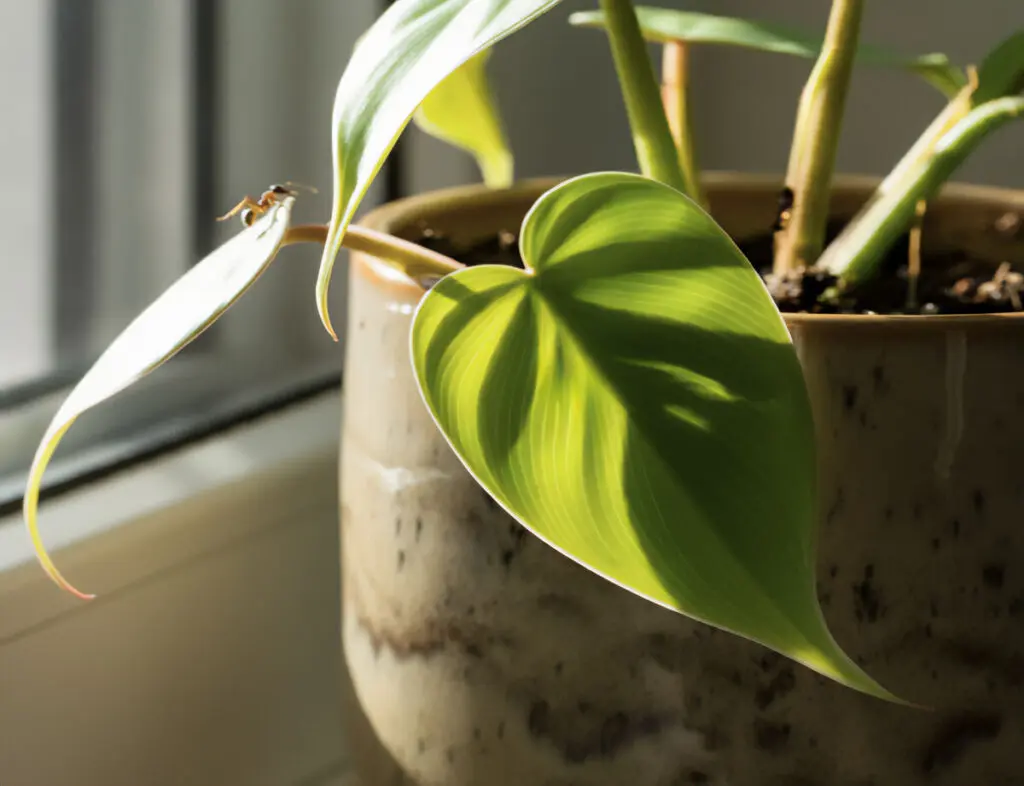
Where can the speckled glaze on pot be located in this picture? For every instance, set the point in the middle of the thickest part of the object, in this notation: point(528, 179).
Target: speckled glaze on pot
point(482, 657)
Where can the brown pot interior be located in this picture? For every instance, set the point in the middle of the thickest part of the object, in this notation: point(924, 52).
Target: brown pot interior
point(963, 218)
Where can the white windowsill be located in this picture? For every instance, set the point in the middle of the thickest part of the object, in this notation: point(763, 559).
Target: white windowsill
point(212, 651)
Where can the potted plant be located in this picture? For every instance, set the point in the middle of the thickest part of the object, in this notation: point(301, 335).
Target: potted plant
point(762, 432)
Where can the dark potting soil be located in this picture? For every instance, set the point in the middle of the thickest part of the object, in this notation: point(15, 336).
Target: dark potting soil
point(949, 282)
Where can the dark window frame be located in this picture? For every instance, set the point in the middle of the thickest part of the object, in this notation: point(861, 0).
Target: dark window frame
point(76, 36)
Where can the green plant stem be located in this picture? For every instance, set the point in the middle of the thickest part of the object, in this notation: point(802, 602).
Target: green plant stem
point(857, 252)
point(914, 255)
point(870, 233)
point(955, 111)
point(412, 259)
point(675, 95)
point(816, 139)
point(655, 150)
point(858, 233)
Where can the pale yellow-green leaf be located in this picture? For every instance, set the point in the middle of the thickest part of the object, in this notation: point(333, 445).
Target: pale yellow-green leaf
point(462, 111)
point(172, 321)
point(398, 62)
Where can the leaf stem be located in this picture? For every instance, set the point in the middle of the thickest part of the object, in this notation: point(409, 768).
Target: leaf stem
point(816, 139)
point(675, 95)
point(412, 259)
point(855, 255)
point(655, 150)
point(914, 255)
point(856, 241)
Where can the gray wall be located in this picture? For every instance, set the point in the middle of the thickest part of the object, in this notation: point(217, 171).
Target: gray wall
point(568, 115)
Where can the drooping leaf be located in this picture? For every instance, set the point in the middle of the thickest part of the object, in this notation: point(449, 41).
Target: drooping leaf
point(665, 24)
point(407, 52)
point(188, 307)
point(634, 399)
point(462, 112)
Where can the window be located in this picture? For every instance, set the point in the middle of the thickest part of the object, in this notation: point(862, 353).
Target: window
point(130, 125)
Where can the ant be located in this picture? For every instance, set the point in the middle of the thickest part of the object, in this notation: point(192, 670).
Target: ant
point(251, 209)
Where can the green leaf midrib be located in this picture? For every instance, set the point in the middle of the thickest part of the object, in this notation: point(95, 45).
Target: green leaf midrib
point(642, 428)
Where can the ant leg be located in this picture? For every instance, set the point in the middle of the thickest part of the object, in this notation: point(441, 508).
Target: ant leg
point(248, 202)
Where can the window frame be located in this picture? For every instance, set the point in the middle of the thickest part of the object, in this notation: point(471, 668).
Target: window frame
point(239, 120)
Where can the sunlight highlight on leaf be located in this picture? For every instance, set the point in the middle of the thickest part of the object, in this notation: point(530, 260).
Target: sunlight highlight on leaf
point(408, 51)
point(172, 321)
point(634, 399)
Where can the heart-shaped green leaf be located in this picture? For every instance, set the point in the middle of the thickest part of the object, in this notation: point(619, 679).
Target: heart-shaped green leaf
point(462, 112)
point(398, 62)
point(666, 24)
point(172, 321)
point(634, 399)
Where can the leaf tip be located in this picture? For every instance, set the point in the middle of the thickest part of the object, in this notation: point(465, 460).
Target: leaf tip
point(498, 169)
point(77, 593)
point(30, 510)
point(830, 660)
point(324, 312)
point(323, 281)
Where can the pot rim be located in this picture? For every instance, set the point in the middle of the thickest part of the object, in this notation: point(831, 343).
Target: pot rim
point(387, 217)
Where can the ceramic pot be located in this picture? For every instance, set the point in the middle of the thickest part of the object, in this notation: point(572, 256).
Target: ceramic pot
point(482, 657)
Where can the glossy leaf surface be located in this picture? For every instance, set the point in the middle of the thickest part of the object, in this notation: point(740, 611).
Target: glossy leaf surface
point(408, 51)
point(664, 24)
point(634, 399)
point(462, 111)
point(175, 319)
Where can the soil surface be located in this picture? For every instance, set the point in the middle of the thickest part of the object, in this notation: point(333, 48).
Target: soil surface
point(949, 282)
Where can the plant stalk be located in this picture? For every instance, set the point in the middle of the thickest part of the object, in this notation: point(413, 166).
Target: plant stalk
point(855, 255)
point(675, 95)
point(954, 133)
point(859, 230)
point(652, 138)
point(816, 138)
point(412, 259)
point(914, 255)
